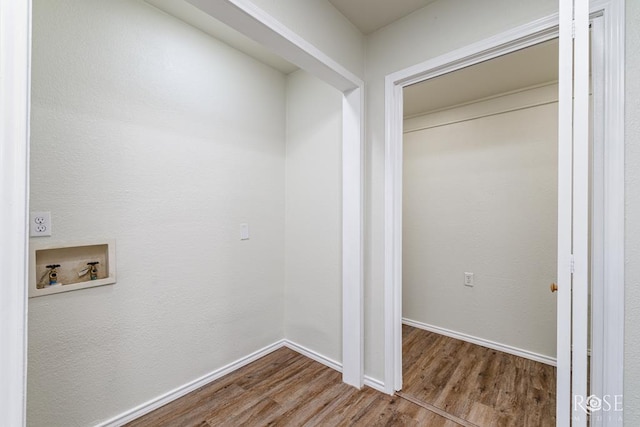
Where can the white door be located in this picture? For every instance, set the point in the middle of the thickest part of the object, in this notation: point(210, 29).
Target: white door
point(573, 214)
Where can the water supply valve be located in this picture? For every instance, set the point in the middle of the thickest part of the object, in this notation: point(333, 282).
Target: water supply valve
point(91, 269)
point(53, 273)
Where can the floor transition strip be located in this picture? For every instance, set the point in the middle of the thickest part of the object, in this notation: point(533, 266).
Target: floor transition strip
point(436, 410)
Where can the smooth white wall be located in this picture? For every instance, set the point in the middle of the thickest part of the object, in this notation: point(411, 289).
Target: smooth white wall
point(480, 196)
point(438, 28)
point(313, 273)
point(150, 132)
point(632, 214)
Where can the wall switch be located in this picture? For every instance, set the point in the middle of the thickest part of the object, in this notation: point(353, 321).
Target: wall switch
point(40, 224)
point(244, 231)
point(468, 279)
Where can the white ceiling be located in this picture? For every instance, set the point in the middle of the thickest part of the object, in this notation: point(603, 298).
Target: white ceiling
point(524, 68)
point(371, 15)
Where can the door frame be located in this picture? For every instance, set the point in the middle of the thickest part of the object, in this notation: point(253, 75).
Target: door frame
point(15, 57)
point(612, 349)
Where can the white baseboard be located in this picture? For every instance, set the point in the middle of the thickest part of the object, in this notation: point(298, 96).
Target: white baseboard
point(314, 355)
point(174, 394)
point(482, 342)
point(177, 393)
point(375, 384)
point(311, 354)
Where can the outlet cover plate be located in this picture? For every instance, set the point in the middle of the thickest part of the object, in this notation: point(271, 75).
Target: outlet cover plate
point(40, 224)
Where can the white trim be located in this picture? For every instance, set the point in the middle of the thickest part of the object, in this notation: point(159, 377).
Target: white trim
point(374, 383)
point(333, 364)
point(580, 193)
point(565, 158)
point(353, 238)
point(313, 355)
point(509, 41)
point(253, 22)
point(15, 55)
point(544, 29)
point(393, 236)
point(187, 388)
point(597, 212)
point(614, 257)
point(537, 357)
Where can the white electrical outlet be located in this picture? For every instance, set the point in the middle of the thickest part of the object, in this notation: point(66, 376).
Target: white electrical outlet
point(468, 279)
point(40, 224)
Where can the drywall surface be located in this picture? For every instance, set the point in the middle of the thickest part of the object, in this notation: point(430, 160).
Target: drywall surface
point(152, 133)
point(313, 254)
point(440, 27)
point(322, 25)
point(480, 196)
point(632, 213)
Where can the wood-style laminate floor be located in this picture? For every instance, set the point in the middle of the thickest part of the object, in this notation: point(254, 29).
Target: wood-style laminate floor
point(459, 383)
point(285, 388)
point(483, 386)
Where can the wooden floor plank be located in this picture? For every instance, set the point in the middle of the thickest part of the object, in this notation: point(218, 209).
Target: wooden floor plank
point(455, 383)
point(345, 410)
point(264, 412)
point(287, 389)
point(475, 383)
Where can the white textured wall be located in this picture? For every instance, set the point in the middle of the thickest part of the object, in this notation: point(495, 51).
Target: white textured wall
point(313, 274)
point(322, 25)
point(150, 132)
point(632, 213)
point(441, 27)
point(438, 28)
point(480, 195)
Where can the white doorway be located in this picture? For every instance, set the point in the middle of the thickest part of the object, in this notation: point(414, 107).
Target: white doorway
point(520, 38)
point(479, 238)
point(480, 199)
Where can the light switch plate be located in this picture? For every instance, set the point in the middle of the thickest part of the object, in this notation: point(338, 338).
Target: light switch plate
point(40, 224)
point(244, 231)
point(468, 279)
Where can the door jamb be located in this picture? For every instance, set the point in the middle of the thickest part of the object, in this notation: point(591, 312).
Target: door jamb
point(509, 41)
point(15, 55)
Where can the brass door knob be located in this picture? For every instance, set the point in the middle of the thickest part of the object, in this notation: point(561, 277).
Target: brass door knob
point(553, 287)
